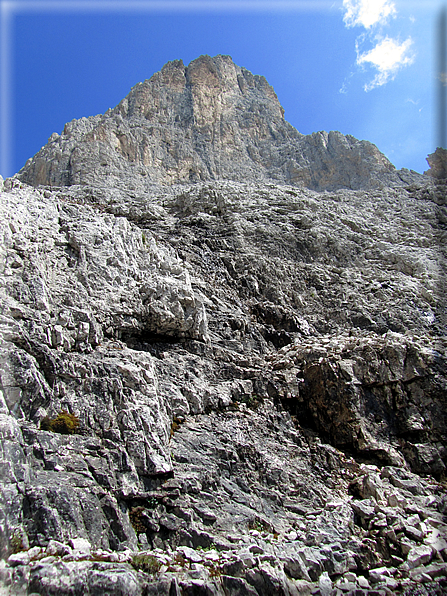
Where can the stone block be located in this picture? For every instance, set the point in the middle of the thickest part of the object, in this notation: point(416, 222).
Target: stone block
point(419, 555)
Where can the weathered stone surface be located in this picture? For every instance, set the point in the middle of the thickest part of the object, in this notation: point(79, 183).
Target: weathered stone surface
point(419, 555)
point(438, 164)
point(84, 577)
point(255, 370)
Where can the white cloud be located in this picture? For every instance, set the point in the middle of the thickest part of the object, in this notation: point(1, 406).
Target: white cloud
point(388, 57)
point(366, 13)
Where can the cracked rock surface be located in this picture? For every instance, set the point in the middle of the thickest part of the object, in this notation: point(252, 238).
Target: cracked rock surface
point(254, 370)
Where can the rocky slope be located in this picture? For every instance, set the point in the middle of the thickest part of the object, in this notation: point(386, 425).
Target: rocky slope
point(254, 371)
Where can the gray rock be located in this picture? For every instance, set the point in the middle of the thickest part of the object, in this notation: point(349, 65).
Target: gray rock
point(80, 544)
point(21, 558)
point(205, 121)
point(438, 164)
point(414, 533)
point(295, 568)
point(237, 586)
point(57, 548)
point(363, 582)
point(419, 555)
point(379, 574)
point(221, 350)
point(365, 509)
point(325, 584)
point(62, 578)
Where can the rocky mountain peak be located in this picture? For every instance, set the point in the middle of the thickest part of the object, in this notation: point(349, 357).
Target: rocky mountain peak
point(210, 120)
point(203, 93)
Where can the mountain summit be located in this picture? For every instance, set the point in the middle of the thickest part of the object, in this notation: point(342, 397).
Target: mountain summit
point(210, 120)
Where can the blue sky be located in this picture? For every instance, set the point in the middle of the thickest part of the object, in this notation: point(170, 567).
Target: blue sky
point(363, 67)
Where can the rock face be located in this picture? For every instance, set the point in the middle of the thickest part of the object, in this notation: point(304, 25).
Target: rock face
point(249, 377)
point(438, 164)
point(210, 120)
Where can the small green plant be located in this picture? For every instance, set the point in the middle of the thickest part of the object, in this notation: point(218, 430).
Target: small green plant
point(179, 561)
point(151, 503)
point(16, 541)
point(146, 563)
point(64, 423)
point(206, 549)
point(143, 238)
point(259, 525)
point(252, 401)
point(176, 422)
point(233, 406)
point(135, 517)
point(215, 571)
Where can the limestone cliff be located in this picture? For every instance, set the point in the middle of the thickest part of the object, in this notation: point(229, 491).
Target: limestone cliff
point(211, 120)
point(217, 378)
